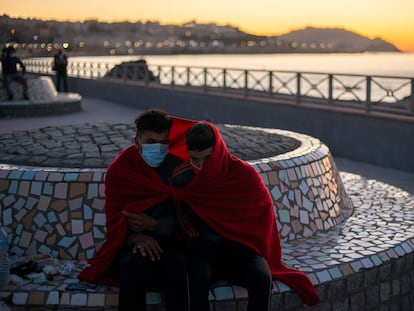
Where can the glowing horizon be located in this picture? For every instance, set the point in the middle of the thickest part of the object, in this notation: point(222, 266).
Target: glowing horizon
point(390, 21)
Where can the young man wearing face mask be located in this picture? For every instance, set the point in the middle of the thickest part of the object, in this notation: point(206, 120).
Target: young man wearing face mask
point(227, 221)
point(141, 250)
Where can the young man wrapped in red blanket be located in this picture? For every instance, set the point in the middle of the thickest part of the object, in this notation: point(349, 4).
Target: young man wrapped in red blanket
point(226, 193)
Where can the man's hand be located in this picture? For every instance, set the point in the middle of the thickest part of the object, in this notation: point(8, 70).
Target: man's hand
point(147, 246)
point(140, 222)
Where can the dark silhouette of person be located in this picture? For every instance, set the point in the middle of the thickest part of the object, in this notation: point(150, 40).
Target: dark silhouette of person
point(9, 63)
point(60, 66)
point(3, 55)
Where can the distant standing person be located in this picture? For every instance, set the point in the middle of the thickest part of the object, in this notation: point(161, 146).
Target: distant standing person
point(60, 66)
point(9, 63)
point(3, 56)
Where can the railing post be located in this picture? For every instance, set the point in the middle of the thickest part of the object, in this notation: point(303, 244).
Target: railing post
point(330, 89)
point(172, 75)
point(146, 75)
point(124, 71)
point(205, 78)
point(188, 76)
point(411, 108)
point(159, 73)
point(107, 71)
point(246, 82)
point(224, 79)
point(368, 94)
point(270, 83)
point(298, 91)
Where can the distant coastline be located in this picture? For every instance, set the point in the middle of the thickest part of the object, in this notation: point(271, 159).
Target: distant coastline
point(35, 38)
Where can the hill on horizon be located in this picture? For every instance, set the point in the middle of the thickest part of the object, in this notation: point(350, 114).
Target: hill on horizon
point(340, 39)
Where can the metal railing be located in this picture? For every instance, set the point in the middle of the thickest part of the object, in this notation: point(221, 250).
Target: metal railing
point(370, 93)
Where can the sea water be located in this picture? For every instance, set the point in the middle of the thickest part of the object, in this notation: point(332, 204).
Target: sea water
point(384, 63)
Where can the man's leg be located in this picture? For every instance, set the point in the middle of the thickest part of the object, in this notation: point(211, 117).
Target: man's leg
point(250, 270)
point(135, 273)
point(174, 277)
point(200, 276)
point(7, 80)
point(65, 83)
point(58, 80)
point(258, 281)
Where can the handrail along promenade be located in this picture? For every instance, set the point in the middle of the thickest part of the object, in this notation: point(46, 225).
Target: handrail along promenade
point(366, 92)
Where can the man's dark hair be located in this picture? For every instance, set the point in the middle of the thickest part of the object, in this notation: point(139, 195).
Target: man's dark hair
point(155, 120)
point(200, 137)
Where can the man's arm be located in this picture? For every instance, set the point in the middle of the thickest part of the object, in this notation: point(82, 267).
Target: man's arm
point(22, 66)
point(163, 226)
point(140, 222)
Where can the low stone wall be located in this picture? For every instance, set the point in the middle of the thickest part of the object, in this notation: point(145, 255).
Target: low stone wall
point(43, 99)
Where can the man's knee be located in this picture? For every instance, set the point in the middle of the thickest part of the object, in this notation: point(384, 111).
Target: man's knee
point(262, 281)
point(200, 275)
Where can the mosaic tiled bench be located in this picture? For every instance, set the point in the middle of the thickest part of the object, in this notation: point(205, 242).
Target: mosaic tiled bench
point(355, 245)
point(44, 99)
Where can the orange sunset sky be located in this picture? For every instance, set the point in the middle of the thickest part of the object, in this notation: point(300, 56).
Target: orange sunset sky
point(391, 20)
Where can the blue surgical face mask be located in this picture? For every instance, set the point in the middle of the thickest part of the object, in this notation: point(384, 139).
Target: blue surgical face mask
point(154, 154)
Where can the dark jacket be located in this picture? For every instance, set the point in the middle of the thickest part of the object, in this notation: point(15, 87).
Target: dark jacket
point(60, 63)
point(9, 64)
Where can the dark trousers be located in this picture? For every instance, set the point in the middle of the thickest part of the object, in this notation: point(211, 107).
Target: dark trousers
point(139, 274)
point(7, 78)
point(61, 78)
point(210, 261)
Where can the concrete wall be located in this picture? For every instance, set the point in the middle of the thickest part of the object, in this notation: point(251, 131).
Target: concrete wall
point(375, 139)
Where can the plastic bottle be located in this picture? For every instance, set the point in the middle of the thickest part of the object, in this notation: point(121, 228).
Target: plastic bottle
point(4, 257)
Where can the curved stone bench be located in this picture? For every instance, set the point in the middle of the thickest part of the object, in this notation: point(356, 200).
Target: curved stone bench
point(44, 99)
point(336, 239)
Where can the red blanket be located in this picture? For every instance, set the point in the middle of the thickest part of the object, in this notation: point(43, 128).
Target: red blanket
point(227, 193)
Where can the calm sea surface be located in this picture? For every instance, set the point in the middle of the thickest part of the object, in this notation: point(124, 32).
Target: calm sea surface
point(390, 64)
